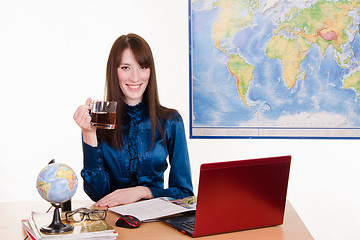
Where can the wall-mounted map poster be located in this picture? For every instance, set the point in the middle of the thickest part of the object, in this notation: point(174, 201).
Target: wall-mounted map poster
point(274, 68)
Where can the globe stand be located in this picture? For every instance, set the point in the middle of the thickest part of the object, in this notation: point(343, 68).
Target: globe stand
point(56, 225)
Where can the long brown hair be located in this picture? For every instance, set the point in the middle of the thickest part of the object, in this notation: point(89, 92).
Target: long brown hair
point(157, 113)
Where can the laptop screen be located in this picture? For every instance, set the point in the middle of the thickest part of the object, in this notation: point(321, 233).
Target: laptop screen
point(239, 195)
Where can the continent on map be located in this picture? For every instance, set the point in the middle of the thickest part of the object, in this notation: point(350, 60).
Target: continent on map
point(70, 178)
point(353, 82)
point(230, 21)
point(242, 72)
point(290, 54)
point(44, 187)
point(322, 24)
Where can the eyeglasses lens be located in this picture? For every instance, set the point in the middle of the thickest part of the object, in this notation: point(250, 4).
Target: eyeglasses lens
point(97, 215)
point(76, 217)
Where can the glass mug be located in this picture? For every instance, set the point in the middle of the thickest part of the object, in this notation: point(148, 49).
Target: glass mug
point(103, 114)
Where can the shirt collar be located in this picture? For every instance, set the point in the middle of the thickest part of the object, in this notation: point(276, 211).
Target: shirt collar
point(136, 111)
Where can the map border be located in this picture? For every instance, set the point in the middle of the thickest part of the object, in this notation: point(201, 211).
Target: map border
point(258, 132)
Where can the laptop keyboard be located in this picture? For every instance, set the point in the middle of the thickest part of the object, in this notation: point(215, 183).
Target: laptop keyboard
point(189, 225)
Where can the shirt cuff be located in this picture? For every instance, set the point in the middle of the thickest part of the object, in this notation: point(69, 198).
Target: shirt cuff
point(93, 157)
point(156, 191)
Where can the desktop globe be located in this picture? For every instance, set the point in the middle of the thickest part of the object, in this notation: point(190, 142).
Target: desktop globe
point(57, 183)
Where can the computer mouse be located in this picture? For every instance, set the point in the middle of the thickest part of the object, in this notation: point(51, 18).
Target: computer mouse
point(128, 221)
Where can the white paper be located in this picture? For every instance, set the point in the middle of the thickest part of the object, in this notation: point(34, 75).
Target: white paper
point(149, 210)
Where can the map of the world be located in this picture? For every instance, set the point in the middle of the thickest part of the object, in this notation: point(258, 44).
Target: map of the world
point(275, 68)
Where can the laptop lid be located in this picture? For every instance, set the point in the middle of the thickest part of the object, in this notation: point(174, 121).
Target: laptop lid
point(239, 195)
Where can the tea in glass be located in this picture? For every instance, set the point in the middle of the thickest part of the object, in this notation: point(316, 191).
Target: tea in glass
point(103, 114)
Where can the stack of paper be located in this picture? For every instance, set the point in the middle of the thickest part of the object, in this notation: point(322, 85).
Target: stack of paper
point(99, 229)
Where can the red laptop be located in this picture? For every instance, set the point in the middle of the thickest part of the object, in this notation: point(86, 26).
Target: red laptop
point(237, 195)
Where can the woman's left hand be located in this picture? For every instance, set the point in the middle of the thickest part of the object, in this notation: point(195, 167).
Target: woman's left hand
point(125, 196)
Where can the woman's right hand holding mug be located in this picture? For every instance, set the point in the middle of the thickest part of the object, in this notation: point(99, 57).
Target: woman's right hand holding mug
point(83, 118)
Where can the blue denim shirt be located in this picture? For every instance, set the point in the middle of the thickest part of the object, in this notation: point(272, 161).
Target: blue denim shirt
point(107, 169)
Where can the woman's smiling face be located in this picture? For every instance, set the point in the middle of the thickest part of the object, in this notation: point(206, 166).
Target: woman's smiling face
point(133, 78)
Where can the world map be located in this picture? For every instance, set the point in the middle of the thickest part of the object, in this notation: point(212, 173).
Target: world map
point(275, 68)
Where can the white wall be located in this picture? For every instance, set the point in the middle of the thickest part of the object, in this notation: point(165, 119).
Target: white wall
point(53, 56)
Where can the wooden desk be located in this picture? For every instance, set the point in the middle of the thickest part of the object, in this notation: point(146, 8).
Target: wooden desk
point(12, 213)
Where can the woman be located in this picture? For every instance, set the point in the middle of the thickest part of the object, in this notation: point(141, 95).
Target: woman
point(127, 164)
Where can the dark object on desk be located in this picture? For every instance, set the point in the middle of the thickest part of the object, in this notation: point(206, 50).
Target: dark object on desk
point(83, 213)
point(128, 221)
point(237, 195)
point(56, 226)
point(66, 206)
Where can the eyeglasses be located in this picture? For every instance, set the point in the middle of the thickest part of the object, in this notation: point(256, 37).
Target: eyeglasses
point(78, 215)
